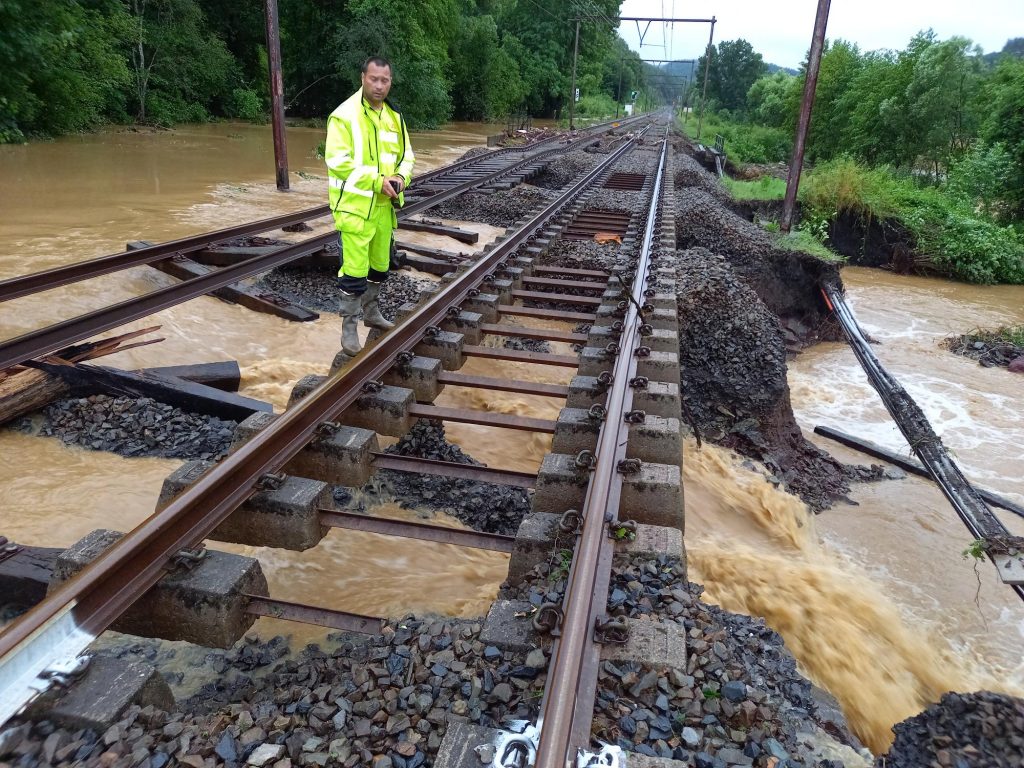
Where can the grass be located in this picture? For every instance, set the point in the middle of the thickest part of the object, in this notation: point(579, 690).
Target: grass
point(764, 188)
point(800, 240)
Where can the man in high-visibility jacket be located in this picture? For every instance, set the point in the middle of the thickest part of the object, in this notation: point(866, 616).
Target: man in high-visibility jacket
point(369, 166)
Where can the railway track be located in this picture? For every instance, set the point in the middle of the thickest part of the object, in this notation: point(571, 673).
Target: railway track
point(618, 365)
point(443, 184)
point(453, 178)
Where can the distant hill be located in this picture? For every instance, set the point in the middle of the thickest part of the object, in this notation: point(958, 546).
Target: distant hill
point(773, 68)
point(1013, 47)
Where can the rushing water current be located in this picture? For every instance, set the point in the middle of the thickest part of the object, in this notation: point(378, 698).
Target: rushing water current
point(874, 598)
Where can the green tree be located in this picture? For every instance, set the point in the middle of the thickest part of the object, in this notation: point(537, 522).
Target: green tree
point(63, 69)
point(1003, 100)
point(735, 67)
point(939, 96)
point(768, 97)
point(180, 69)
point(830, 123)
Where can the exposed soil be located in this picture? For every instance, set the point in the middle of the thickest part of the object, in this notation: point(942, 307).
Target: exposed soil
point(788, 282)
point(732, 359)
point(871, 242)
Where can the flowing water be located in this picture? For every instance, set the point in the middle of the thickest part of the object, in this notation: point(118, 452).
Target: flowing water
point(874, 599)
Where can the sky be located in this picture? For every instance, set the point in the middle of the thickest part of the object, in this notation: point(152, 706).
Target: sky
point(780, 30)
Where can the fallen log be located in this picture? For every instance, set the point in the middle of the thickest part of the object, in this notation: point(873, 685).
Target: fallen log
point(27, 389)
point(187, 395)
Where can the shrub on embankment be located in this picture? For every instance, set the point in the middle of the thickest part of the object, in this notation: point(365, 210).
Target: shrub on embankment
point(745, 143)
point(926, 228)
point(950, 235)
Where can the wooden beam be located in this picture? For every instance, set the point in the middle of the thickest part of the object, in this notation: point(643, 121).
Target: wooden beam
point(225, 375)
point(437, 228)
point(183, 394)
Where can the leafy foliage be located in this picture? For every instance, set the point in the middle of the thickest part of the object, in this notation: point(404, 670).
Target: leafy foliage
point(734, 68)
point(947, 229)
point(73, 64)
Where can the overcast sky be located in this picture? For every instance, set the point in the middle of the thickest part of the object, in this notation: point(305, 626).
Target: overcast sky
point(780, 30)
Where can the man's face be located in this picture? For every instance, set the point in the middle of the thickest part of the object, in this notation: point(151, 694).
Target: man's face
point(376, 83)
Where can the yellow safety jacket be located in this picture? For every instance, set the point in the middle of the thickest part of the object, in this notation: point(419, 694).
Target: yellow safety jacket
point(363, 148)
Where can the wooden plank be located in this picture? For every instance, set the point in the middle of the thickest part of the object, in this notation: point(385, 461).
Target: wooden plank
point(258, 301)
point(225, 375)
point(25, 575)
point(425, 264)
point(267, 302)
point(183, 394)
point(434, 253)
point(437, 228)
point(227, 256)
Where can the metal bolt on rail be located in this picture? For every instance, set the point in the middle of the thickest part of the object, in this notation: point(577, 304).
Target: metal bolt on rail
point(571, 522)
point(515, 747)
point(548, 619)
point(63, 673)
point(608, 629)
point(187, 559)
point(609, 756)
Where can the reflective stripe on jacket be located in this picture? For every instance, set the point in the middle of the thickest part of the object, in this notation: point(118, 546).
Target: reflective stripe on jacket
point(363, 148)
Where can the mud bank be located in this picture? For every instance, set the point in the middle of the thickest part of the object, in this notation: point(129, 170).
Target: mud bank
point(742, 305)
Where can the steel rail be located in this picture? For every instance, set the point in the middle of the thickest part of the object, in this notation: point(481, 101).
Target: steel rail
point(51, 338)
point(919, 434)
point(565, 706)
point(67, 620)
point(45, 280)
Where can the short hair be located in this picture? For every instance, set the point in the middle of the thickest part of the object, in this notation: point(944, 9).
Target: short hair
point(380, 61)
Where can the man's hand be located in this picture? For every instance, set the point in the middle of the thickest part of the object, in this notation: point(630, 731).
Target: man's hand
point(397, 183)
point(389, 190)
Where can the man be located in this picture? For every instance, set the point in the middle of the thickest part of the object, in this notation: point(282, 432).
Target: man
point(369, 166)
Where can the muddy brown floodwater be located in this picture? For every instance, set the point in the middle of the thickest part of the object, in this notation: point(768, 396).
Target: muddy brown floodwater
point(875, 600)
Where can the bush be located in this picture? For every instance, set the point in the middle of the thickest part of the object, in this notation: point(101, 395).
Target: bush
point(245, 104)
point(960, 241)
point(743, 143)
point(600, 105)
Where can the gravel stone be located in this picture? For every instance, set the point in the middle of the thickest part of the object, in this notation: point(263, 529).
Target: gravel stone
point(132, 427)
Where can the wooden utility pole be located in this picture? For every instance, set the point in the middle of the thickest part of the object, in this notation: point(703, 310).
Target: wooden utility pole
point(572, 94)
point(807, 105)
point(277, 95)
point(707, 70)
